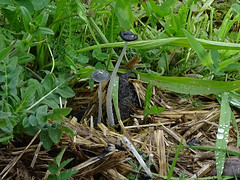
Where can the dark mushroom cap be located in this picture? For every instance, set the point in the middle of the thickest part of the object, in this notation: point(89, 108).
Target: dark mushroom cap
point(100, 75)
point(128, 36)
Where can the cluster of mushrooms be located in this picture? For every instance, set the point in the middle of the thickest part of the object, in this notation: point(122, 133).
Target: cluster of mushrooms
point(100, 75)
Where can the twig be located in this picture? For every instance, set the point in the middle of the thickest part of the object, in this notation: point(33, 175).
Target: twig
point(15, 160)
point(138, 157)
point(36, 154)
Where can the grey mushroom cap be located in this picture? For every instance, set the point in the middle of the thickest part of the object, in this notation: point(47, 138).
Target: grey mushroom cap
point(128, 36)
point(100, 75)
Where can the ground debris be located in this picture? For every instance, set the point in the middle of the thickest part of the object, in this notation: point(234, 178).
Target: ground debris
point(99, 153)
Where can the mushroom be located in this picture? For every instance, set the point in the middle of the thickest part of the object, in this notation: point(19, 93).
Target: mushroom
point(126, 36)
point(100, 75)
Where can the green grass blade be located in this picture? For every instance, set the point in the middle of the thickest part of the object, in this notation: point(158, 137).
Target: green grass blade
point(176, 41)
point(209, 148)
point(203, 55)
point(179, 147)
point(190, 85)
point(148, 96)
point(115, 98)
point(223, 132)
point(234, 123)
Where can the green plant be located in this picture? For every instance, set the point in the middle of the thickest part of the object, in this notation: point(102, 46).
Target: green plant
point(57, 167)
point(147, 103)
point(25, 103)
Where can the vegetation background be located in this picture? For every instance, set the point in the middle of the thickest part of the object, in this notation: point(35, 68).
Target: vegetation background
point(189, 47)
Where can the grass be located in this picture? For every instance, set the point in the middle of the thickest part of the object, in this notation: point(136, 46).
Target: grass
point(186, 48)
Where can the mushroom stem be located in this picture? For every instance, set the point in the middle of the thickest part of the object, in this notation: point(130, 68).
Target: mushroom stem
point(110, 87)
point(100, 75)
point(100, 102)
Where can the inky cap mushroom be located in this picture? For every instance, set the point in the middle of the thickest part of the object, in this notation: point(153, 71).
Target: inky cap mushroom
point(128, 36)
point(100, 75)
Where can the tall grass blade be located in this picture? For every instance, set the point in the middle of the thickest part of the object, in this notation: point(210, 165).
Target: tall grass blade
point(179, 147)
point(234, 123)
point(190, 85)
point(175, 41)
point(223, 132)
point(115, 98)
point(203, 55)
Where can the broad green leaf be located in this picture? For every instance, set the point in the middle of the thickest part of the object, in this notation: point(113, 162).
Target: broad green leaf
point(57, 114)
point(22, 45)
point(5, 52)
point(67, 129)
point(41, 114)
point(65, 92)
point(167, 5)
point(81, 59)
point(5, 139)
point(41, 111)
point(11, 66)
point(27, 98)
point(41, 19)
point(24, 57)
point(48, 82)
point(50, 102)
point(223, 132)
point(31, 130)
point(32, 120)
point(124, 13)
point(46, 140)
point(203, 55)
point(26, 18)
point(43, 31)
point(55, 134)
point(4, 114)
point(3, 123)
point(5, 2)
point(38, 5)
point(62, 111)
point(159, 12)
point(26, 122)
point(236, 8)
point(25, 3)
point(9, 127)
point(190, 85)
point(99, 55)
point(153, 110)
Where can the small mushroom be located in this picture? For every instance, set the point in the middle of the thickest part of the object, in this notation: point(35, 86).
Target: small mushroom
point(126, 36)
point(100, 75)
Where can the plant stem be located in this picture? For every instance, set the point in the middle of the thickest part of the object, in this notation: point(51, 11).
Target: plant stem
point(100, 102)
point(110, 88)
